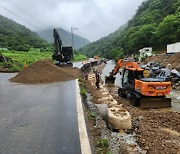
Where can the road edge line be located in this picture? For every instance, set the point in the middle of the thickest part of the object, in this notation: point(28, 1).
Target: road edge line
point(84, 139)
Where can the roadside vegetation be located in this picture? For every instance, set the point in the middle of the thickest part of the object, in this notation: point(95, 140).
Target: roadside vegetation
point(103, 146)
point(17, 60)
point(79, 57)
point(82, 86)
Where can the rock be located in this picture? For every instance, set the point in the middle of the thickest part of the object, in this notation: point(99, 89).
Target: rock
point(146, 148)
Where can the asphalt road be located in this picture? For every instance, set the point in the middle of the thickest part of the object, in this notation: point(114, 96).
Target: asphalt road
point(38, 118)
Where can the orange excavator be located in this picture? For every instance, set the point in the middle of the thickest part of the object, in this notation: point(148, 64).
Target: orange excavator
point(143, 91)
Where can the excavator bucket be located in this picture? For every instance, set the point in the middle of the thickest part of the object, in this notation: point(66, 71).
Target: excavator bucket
point(147, 103)
point(110, 79)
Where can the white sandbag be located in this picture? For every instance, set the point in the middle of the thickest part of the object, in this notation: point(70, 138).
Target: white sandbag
point(119, 118)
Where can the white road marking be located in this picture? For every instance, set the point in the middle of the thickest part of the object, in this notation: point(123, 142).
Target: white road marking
point(84, 140)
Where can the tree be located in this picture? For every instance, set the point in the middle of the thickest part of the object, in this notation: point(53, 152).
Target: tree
point(169, 30)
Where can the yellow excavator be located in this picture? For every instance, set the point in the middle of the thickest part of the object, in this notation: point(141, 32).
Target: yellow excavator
point(143, 91)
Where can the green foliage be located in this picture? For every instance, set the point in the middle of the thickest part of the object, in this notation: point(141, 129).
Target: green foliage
point(103, 146)
point(79, 57)
point(155, 24)
point(12, 65)
point(83, 92)
point(17, 37)
point(27, 57)
point(82, 86)
point(169, 30)
point(104, 46)
point(92, 115)
point(20, 58)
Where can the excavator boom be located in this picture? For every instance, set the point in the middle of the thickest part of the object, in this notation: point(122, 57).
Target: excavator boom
point(62, 54)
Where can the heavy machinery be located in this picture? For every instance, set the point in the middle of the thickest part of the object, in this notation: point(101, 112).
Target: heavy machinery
point(63, 54)
point(142, 90)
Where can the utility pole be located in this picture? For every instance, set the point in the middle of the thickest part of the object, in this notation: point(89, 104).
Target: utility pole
point(73, 36)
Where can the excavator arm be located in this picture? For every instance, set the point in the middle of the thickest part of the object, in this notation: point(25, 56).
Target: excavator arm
point(111, 78)
point(57, 42)
point(121, 64)
point(62, 54)
point(57, 55)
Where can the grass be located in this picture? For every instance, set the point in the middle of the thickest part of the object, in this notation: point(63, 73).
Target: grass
point(79, 57)
point(103, 146)
point(19, 59)
point(82, 86)
point(27, 57)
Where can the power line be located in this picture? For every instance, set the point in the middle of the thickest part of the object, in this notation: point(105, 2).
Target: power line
point(18, 16)
point(55, 6)
point(58, 12)
point(23, 10)
point(55, 11)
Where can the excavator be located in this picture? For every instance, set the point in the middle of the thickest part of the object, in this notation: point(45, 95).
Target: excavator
point(63, 54)
point(135, 83)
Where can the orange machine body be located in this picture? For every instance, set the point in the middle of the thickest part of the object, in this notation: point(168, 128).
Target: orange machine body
point(153, 88)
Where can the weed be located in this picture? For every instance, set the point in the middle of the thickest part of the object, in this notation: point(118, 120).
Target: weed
point(83, 92)
point(103, 146)
point(82, 86)
point(92, 115)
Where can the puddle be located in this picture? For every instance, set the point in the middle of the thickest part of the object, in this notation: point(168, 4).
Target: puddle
point(175, 96)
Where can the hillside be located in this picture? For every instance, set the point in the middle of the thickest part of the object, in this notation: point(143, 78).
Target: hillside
point(17, 37)
point(65, 36)
point(156, 24)
point(106, 46)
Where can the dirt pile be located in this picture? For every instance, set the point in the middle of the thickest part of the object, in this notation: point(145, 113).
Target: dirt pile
point(164, 59)
point(45, 71)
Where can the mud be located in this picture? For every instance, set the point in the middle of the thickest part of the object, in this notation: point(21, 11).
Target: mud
point(44, 71)
point(155, 131)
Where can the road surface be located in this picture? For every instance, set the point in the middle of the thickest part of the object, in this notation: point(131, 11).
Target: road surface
point(38, 118)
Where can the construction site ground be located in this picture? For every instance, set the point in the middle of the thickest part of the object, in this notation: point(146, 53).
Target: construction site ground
point(156, 130)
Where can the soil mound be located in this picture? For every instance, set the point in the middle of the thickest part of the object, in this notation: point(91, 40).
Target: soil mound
point(44, 71)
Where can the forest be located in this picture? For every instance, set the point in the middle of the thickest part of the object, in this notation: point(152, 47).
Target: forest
point(17, 37)
point(155, 24)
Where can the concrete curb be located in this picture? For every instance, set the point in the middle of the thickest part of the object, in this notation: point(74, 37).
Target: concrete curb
point(84, 140)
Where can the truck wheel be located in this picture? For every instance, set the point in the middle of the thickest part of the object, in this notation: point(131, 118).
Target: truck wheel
point(121, 93)
point(134, 100)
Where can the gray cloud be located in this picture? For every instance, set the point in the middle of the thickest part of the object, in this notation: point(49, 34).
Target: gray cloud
point(94, 18)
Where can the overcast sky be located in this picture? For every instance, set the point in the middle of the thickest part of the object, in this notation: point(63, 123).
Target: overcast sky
point(93, 18)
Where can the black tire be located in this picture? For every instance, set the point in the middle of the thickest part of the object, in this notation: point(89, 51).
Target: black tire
point(135, 101)
point(121, 93)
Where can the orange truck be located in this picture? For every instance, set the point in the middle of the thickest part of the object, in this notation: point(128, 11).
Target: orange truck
point(145, 92)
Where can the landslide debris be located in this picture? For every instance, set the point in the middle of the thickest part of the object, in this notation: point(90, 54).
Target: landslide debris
point(164, 59)
point(44, 71)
